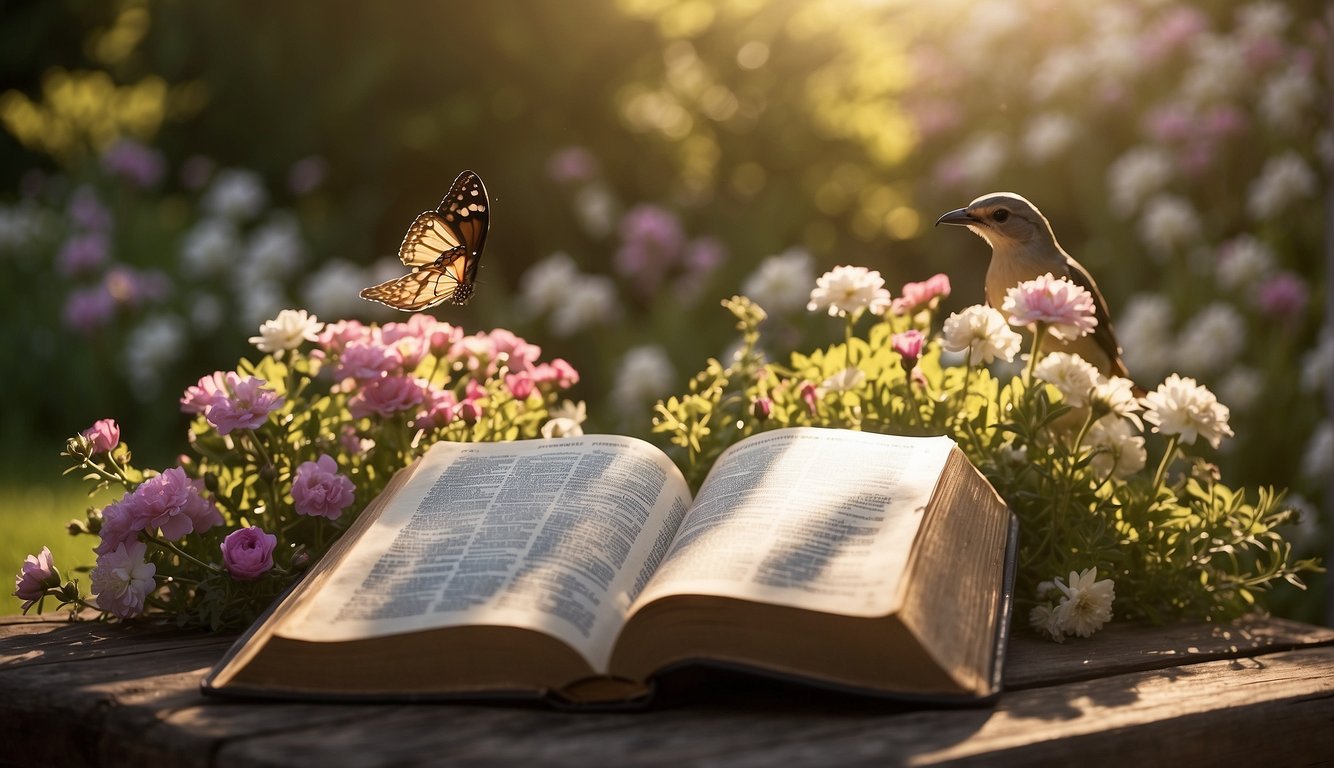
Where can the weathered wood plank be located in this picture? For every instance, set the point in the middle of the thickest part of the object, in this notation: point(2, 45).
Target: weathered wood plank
point(98, 694)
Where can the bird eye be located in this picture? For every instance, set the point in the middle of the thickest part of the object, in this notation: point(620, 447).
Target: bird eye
point(1000, 215)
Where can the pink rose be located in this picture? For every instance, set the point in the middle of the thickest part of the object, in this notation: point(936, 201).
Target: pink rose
point(366, 360)
point(37, 574)
point(247, 553)
point(319, 490)
point(520, 385)
point(104, 435)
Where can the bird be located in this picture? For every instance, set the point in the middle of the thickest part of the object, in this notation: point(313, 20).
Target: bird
point(1023, 247)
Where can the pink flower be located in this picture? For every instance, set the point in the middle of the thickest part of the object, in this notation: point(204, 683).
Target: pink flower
point(247, 405)
point(82, 254)
point(925, 295)
point(140, 164)
point(652, 240)
point(247, 553)
point(89, 309)
point(1065, 309)
point(104, 435)
point(319, 490)
point(122, 579)
point(442, 337)
point(520, 385)
point(200, 397)
point(519, 354)
point(37, 574)
point(571, 164)
point(336, 336)
point(811, 394)
point(909, 345)
point(762, 408)
point(559, 371)
point(477, 353)
point(171, 503)
point(387, 396)
point(365, 360)
point(1282, 296)
point(440, 408)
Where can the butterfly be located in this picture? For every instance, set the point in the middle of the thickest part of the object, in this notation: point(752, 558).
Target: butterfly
point(443, 247)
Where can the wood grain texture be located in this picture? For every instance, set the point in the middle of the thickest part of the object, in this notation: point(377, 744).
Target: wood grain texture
point(98, 694)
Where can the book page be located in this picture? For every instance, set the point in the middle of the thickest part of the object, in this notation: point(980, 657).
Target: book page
point(812, 518)
point(558, 536)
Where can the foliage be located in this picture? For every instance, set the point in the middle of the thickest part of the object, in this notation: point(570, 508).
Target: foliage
point(285, 451)
point(1177, 543)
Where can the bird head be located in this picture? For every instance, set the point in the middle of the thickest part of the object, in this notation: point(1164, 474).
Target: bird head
point(1003, 219)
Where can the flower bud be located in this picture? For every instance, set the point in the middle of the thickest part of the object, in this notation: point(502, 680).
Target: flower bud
point(211, 483)
point(762, 408)
point(268, 473)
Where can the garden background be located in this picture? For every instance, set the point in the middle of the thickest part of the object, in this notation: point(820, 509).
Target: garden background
point(174, 173)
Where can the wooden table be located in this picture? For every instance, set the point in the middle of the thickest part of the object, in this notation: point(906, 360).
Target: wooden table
point(1259, 692)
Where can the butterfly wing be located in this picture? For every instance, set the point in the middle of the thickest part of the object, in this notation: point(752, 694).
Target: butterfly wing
point(424, 286)
point(443, 247)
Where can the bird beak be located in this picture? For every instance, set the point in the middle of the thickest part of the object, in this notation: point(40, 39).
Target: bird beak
point(958, 217)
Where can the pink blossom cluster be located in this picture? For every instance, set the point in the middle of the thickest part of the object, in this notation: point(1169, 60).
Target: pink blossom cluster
point(170, 505)
point(915, 297)
point(230, 402)
point(387, 369)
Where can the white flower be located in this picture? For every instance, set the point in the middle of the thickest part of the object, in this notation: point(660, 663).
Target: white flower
point(211, 247)
point(1135, 175)
point(259, 303)
point(595, 206)
point(845, 380)
point(275, 250)
point(547, 283)
point(332, 289)
point(1049, 135)
point(1073, 376)
point(1284, 180)
point(1243, 261)
point(1211, 340)
point(21, 225)
point(561, 427)
point(1319, 459)
point(645, 375)
point(568, 409)
point(1169, 223)
point(1262, 20)
point(122, 579)
point(1087, 602)
point(1115, 396)
point(591, 301)
point(980, 159)
point(1318, 364)
point(848, 290)
point(1117, 448)
point(1060, 71)
point(287, 331)
point(983, 333)
point(1145, 329)
point(1241, 387)
point(1219, 70)
point(236, 195)
point(153, 346)
point(1182, 407)
point(1288, 97)
point(1045, 620)
point(780, 284)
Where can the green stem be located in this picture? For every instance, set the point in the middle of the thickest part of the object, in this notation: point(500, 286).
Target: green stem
point(847, 338)
point(1161, 474)
point(170, 547)
point(1040, 331)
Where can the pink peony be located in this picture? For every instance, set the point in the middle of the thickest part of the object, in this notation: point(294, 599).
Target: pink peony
point(320, 491)
point(336, 336)
point(387, 396)
point(439, 408)
point(519, 354)
point(37, 574)
point(909, 345)
point(171, 503)
point(104, 435)
point(559, 371)
point(247, 405)
point(1064, 308)
point(122, 579)
point(247, 553)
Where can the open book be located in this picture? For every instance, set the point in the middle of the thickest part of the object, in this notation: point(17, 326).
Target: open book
point(579, 568)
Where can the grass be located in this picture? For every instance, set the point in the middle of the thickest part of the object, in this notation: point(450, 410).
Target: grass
point(33, 514)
